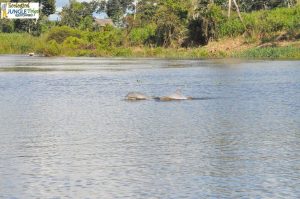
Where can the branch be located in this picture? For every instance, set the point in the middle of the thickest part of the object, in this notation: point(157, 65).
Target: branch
point(229, 7)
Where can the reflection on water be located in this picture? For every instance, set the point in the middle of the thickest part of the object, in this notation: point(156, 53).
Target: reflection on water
point(71, 134)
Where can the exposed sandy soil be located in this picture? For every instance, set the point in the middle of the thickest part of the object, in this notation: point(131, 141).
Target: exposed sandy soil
point(239, 44)
point(229, 45)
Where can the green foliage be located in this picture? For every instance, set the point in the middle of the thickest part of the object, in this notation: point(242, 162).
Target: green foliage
point(121, 52)
point(6, 26)
point(271, 53)
point(166, 25)
point(51, 49)
point(262, 23)
point(140, 36)
point(231, 28)
point(146, 11)
point(46, 25)
point(87, 23)
point(170, 30)
point(116, 9)
point(48, 7)
point(173, 53)
point(179, 7)
point(78, 14)
point(27, 25)
point(107, 37)
point(59, 34)
point(73, 43)
point(12, 43)
point(204, 27)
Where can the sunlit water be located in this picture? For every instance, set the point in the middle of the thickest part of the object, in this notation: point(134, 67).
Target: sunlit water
point(67, 132)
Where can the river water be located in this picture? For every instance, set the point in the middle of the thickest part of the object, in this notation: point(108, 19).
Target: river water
point(67, 132)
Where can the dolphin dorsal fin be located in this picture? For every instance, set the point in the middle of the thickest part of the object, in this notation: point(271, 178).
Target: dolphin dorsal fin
point(178, 91)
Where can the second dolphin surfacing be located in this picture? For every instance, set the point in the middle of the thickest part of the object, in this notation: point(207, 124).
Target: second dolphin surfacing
point(174, 96)
point(177, 95)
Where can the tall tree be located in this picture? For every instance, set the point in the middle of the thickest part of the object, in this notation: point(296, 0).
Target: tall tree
point(145, 11)
point(203, 27)
point(48, 7)
point(78, 14)
point(117, 9)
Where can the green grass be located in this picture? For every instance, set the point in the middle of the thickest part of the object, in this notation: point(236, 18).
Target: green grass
point(262, 24)
point(172, 53)
point(18, 43)
point(289, 52)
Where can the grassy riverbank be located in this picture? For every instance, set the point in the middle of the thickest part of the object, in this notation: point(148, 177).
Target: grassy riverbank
point(266, 34)
point(18, 43)
point(21, 43)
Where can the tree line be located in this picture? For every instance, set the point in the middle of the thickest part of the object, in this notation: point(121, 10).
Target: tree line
point(167, 23)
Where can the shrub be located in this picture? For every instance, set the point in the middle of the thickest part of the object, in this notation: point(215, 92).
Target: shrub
point(74, 43)
point(262, 23)
point(59, 34)
point(107, 37)
point(271, 53)
point(51, 49)
point(6, 26)
point(231, 28)
point(139, 36)
point(16, 43)
point(122, 52)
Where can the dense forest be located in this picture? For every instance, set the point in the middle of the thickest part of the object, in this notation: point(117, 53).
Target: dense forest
point(172, 24)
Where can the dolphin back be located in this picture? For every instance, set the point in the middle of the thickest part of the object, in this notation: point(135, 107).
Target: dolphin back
point(136, 96)
point(177, 95)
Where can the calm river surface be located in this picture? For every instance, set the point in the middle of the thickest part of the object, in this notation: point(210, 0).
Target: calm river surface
point(67, 132)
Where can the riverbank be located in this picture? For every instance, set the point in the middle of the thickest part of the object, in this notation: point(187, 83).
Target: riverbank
point(262, 34)
point(239, 47)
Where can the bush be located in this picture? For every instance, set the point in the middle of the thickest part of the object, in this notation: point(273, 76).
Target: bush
point(47, 25)
point(121, 52)
point(16, 43)
point(6, 26)
point(231, 28)
point(262, 23)
point(271, 53)
point(59, 34)
point(107, 37)
point(74, 43)
point(51, 49)
point(140, 36)
point(203, 28)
